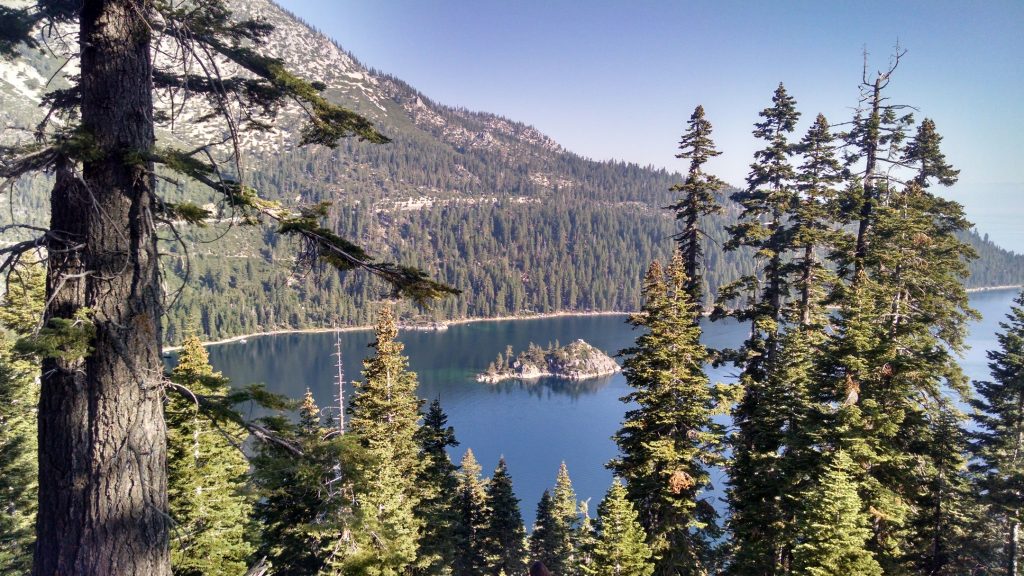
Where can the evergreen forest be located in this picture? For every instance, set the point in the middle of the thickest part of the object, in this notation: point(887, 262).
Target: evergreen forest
point(852, 441)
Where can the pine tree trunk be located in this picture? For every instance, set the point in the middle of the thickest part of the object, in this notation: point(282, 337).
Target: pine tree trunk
point(102, 475)
point(869, 186)
point(1011, 549)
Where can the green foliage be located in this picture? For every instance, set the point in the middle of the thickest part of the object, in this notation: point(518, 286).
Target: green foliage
point(620, 548)
point(64, 338)
point(19, 397)
point(436, 511)
point(996, 447)
point(470, 534)
point(505, 534)
point(554, 540)
point(305, 486)
point(206, 471)
point(384, 415)
point(186, 212)
point(669, 440)
point(698, 199)
point(544, 537)
point(22, 307)
point(833, 528)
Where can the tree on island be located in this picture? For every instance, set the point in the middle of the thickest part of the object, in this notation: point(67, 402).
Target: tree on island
point(100, 415)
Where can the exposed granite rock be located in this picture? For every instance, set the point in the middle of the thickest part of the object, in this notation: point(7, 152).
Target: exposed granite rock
point(575, 361)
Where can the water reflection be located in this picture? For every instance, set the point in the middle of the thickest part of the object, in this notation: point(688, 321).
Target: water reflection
point(544, 387)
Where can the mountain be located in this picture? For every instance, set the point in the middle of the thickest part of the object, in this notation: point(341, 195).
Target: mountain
point(489, 205)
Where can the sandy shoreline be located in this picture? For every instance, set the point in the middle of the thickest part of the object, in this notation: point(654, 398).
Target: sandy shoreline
point(471, 320)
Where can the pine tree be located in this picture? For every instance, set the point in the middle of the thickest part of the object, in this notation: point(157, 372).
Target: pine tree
point(99, 140)
point(544, 539)
point(555, 534)
point(564, 511)
point(206, 472)
point(669, 440)
point(471, 550)
point(756, 519)
point(813, 220)
point(924, 154)
point(943, 527)
point(303, 519)
point(438, 481)
point(856, 413)
point(620, 548)
point(384, 417)
point(585, 542)
point(998, 443)
point(766, 203)
point(699, 200)
point(505, 535)
point(20, 311)
point(917, 265)
point(833, 528)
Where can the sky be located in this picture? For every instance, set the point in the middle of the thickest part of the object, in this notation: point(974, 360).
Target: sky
point(612, 79)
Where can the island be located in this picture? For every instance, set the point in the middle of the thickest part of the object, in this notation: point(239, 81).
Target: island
point(575, 361)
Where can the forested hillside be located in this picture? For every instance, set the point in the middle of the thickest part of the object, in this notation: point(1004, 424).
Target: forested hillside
point(485, 204)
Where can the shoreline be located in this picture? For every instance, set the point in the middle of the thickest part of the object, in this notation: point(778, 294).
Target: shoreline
point(995, 288)
point(447, 323)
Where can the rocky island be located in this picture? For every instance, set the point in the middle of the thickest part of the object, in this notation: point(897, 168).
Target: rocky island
point(575, 361)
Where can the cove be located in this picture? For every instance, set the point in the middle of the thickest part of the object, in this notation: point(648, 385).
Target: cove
point(534, 426)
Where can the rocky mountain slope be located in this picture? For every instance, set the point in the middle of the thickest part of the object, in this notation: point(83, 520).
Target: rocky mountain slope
point(487, 204)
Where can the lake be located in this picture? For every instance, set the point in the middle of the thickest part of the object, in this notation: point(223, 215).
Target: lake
point(536, 425)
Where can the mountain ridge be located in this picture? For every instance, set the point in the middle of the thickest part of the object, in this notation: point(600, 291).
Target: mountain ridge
point(484, 203)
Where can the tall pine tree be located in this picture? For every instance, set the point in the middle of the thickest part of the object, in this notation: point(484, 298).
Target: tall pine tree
point(545, 543)
point(470, 532)
point(206, 473)
point(998, 444)
point(505, 534)
point(668, 442)
point(436, 511)
point(384, 417)
point(620, 548)
point(698, 200)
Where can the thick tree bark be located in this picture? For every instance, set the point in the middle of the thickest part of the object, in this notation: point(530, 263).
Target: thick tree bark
point(103, 486)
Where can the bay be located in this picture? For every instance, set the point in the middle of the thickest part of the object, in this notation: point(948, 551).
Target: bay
point(536, 425)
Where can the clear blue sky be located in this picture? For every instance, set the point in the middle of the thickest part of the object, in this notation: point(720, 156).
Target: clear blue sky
point(618, 79)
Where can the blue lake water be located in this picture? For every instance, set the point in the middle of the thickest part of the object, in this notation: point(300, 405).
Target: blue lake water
point(536, 425)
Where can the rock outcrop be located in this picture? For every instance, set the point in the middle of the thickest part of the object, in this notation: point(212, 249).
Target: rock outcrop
point(575, 361)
